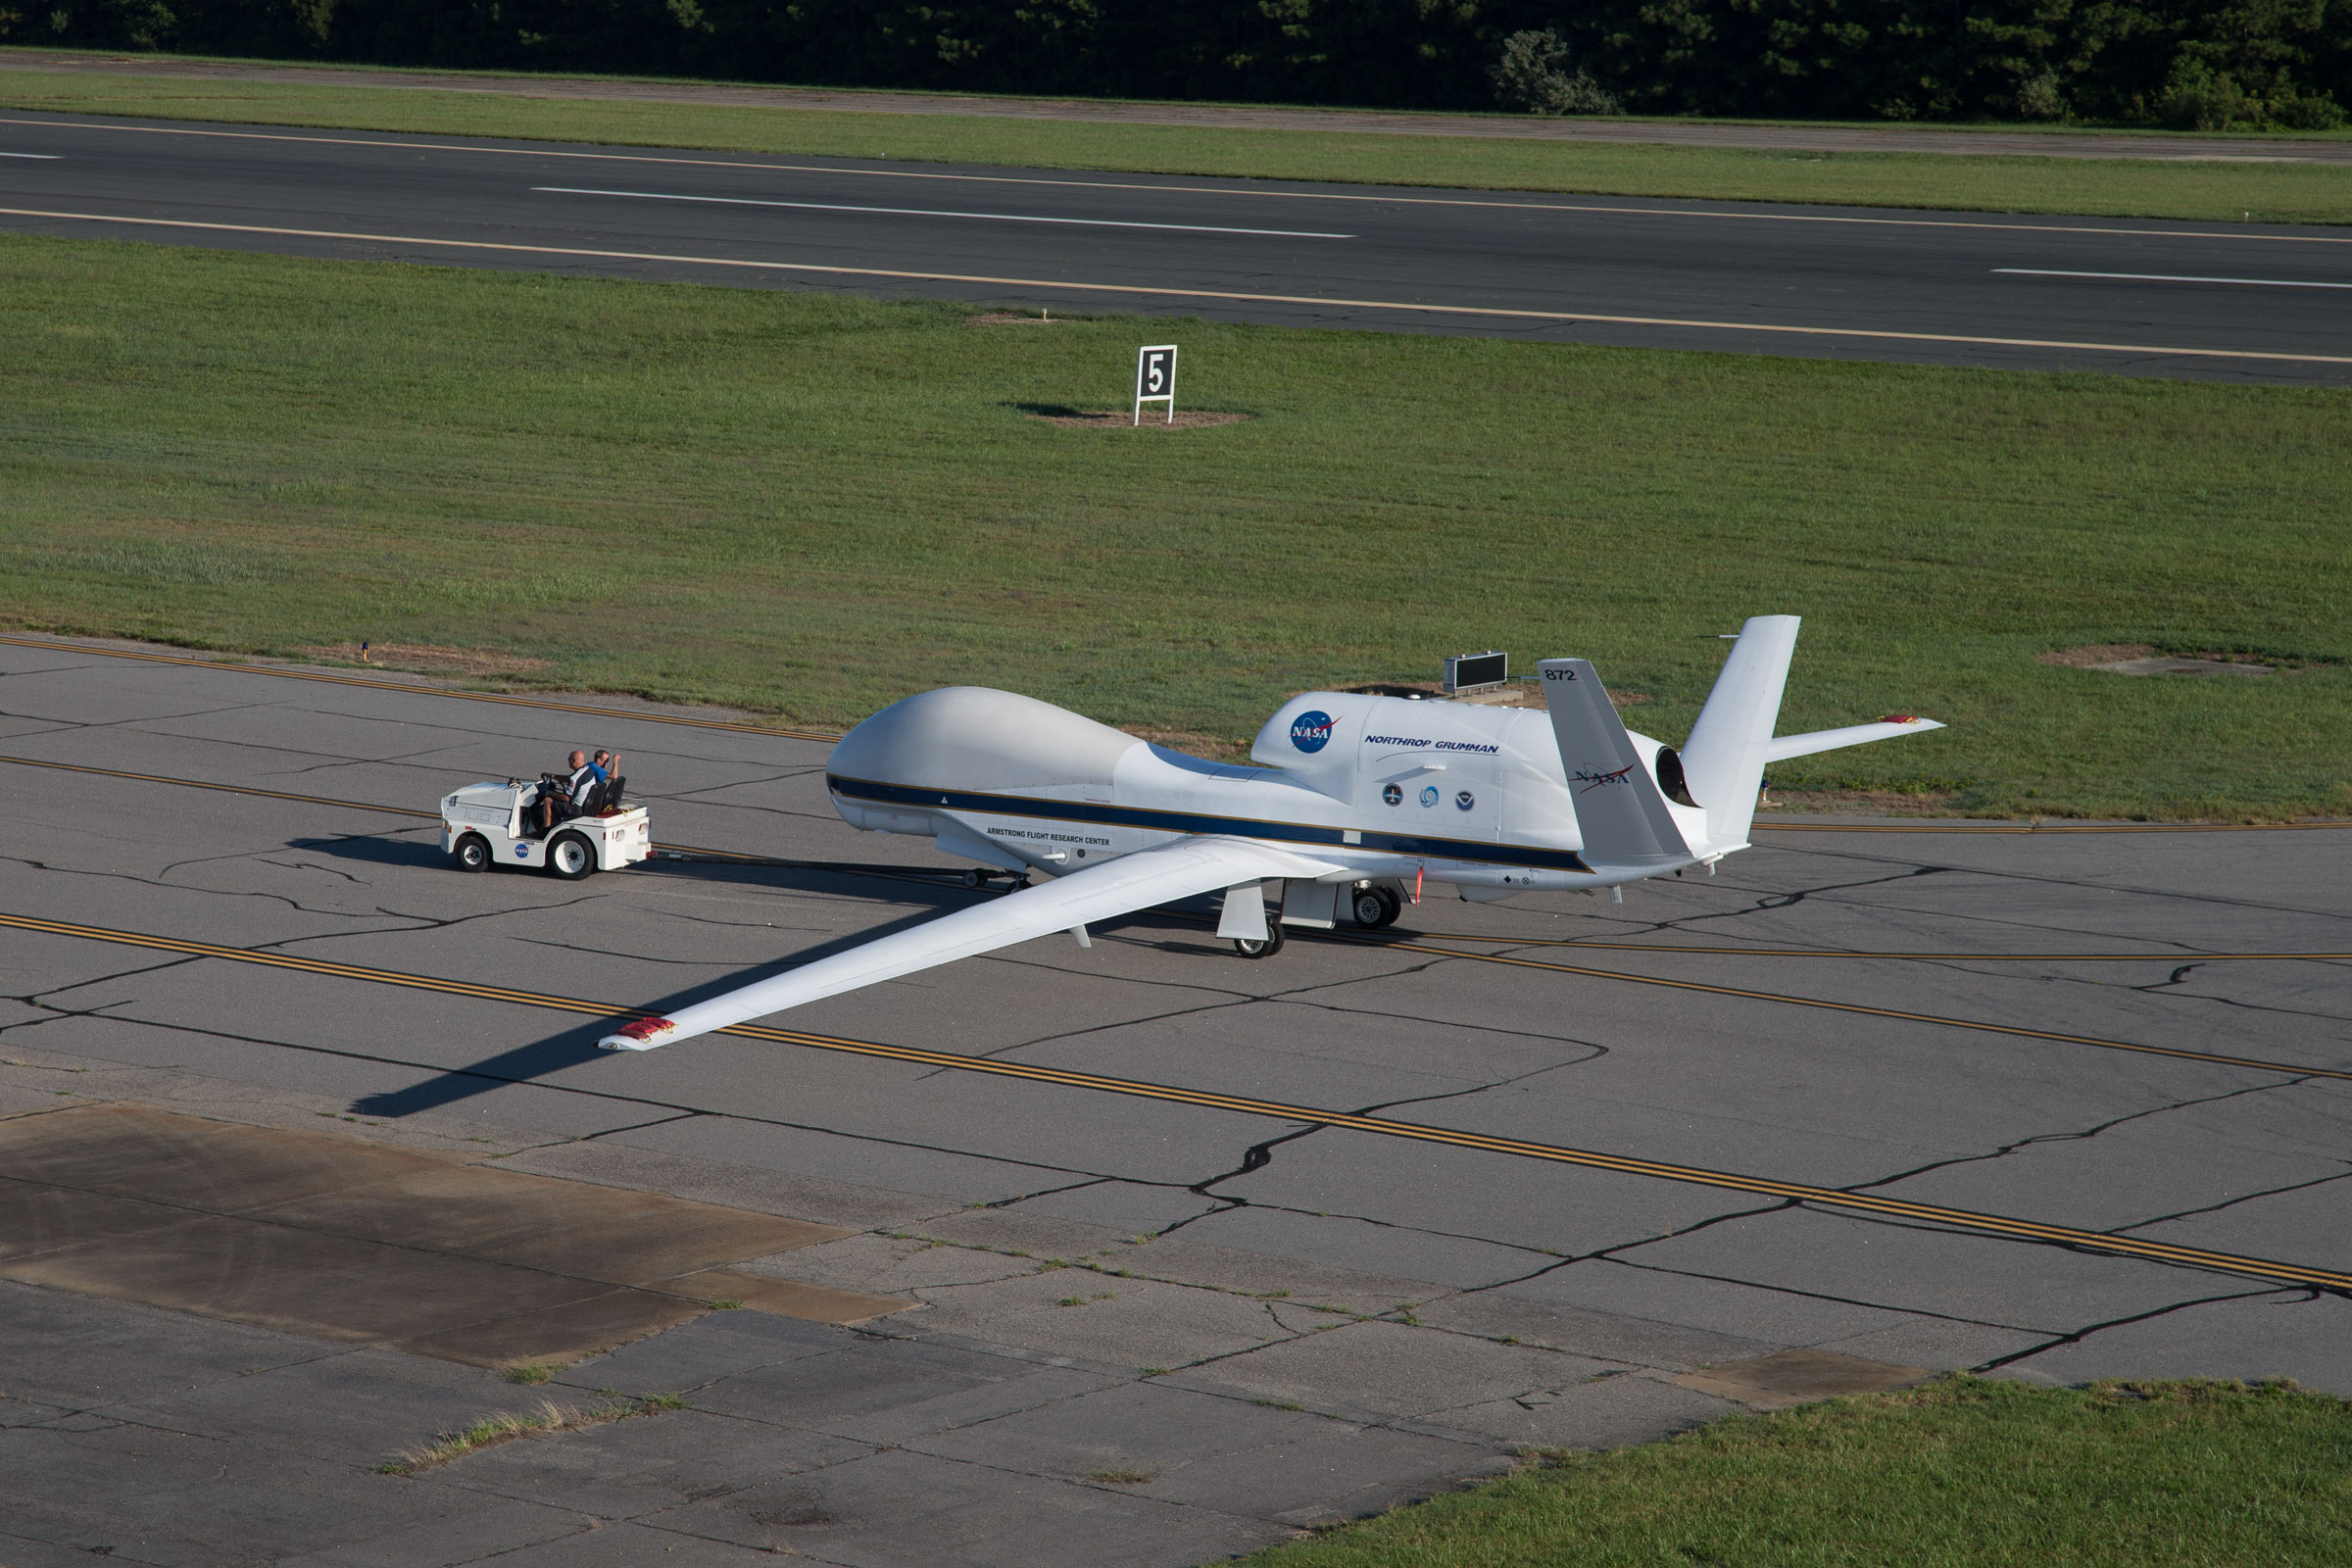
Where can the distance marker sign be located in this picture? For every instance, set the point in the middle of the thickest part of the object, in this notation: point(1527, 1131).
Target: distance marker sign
point(1156, 379)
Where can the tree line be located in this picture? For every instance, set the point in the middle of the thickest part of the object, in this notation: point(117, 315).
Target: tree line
point(2188, 64)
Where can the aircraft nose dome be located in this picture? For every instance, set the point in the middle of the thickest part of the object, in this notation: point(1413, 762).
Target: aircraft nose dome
point(973, 738)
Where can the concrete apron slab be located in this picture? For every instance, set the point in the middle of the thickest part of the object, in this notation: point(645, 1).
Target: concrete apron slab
point(415, 1250)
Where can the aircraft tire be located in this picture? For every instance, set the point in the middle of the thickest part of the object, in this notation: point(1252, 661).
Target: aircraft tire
point(1261, 950)
point(472, 854)
point(570, 856)
point(1391, 904)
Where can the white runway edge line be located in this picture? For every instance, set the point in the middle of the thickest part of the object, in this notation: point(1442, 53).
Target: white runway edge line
point(1048, 285)
point(1387, 194)
point(2163, 277)
point(46, 158)
point(925, 211)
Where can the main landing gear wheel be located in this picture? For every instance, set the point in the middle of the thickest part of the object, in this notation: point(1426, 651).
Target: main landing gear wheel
point(473, 852)
point(570, 856)
point(1249, 948)
point(1377, 907)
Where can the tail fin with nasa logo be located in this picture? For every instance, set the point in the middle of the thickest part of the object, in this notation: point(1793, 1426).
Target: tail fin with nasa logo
point(1620, 811)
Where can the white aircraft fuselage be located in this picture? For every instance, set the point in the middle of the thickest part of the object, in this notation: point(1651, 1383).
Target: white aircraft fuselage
point(1387, 793)
point(1385, 788)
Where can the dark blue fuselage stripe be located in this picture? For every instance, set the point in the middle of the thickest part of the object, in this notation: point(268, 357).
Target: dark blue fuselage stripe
point(860, 789)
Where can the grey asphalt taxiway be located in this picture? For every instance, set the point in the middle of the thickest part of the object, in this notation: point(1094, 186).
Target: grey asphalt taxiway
point(2231, 301)
point(1135, 1328)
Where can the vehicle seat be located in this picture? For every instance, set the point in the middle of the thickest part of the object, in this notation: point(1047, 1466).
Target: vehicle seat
point(608, 797)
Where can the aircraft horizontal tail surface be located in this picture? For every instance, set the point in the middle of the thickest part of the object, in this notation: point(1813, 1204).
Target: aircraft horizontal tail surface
point(1725, 759)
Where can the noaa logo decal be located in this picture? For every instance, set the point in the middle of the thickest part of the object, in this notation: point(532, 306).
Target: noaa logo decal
point(1429, 795)
point(1311, 731)
point(1464, 801)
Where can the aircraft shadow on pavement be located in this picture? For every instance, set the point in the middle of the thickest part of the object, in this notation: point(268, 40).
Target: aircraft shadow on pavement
point(576, 1045)
point(940, 894)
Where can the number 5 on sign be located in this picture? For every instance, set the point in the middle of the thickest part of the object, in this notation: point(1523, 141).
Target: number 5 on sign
point(1156, 379)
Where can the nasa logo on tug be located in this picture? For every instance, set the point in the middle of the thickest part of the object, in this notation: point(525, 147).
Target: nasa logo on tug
point(1311, 731)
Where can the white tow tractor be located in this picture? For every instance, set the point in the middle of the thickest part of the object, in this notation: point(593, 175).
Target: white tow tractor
point(483, 825)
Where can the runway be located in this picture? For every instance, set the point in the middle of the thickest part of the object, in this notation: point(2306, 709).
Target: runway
point(2047, 1106)
point(2250, 301)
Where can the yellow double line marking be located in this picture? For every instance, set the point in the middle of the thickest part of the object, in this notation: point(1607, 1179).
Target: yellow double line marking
point(1842, 952)
point(918, 871)
point(1870, 1203)
point(1866, 1011)
point(1053, 286)
point(413, 689)
point(2251, 1062)
point(2045, 827)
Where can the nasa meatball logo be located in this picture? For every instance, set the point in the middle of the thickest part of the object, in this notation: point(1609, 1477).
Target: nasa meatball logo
point(1311, 731)
point(1429, 795)
point(1392, 794)
point(1464, 801)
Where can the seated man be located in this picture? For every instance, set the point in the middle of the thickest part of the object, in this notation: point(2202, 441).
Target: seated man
point(561, 799)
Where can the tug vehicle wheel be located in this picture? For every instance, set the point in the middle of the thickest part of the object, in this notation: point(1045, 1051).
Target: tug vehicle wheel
point(473, 852)
point(1249, 948)
point(570, 856)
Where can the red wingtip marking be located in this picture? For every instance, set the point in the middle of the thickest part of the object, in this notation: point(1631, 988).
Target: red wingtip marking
point(646, 1028)
point(1900, 718)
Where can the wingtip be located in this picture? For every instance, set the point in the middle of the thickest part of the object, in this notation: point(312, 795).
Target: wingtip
point(646, 1034)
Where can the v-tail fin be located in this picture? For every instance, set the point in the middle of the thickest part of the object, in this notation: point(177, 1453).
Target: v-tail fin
point(1621, 813)
point(1733, 741)
point(1724, 757)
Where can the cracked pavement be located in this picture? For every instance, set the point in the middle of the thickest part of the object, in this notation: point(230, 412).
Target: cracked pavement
point(1277, 1324)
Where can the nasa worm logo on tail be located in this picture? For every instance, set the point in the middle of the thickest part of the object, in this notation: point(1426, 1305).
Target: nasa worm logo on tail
point(1594, 781)
point(1311, 731)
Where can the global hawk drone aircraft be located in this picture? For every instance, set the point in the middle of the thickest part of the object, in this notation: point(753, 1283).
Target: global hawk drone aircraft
point(1357, 796)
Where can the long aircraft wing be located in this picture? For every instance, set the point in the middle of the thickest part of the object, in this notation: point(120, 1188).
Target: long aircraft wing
point(1137, 881)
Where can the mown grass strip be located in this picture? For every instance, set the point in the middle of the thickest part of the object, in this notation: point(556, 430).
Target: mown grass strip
point(2296, 193)
point(811, 505)
point(1961, 1473)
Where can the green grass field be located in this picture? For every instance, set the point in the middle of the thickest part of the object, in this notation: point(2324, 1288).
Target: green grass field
point(813, 504)
point(1959, 1474)
point(2299, 193)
